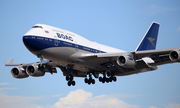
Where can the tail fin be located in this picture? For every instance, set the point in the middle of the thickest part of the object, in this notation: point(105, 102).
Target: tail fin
point(150, 38)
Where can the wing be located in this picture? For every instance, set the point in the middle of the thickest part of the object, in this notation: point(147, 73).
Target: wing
point(154, 57)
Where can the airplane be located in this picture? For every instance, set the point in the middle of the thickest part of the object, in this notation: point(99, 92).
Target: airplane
point(77, 56)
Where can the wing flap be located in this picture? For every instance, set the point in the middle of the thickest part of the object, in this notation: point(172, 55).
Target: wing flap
point(101, 58)
point(160, 60)
point(113, 54)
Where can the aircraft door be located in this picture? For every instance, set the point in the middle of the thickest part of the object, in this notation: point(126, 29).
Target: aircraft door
point(76, 47)
point(55, 41)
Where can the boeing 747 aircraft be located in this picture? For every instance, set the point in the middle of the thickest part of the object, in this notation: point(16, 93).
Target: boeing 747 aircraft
point(79, 57)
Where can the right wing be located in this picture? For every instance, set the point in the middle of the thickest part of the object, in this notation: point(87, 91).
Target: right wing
point(33, 69)
point(10, 63)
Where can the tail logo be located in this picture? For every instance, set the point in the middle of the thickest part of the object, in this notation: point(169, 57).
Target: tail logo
point(151, 40)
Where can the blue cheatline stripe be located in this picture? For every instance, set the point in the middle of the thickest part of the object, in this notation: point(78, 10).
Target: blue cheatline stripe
point(37, 43)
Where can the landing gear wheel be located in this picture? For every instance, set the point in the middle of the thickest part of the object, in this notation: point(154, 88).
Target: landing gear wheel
point(103, 80)
point(67, 78)
point(90, 79)
point(73, 83)
point(108, 74)
point(110, 79)
point(114, 79)
point(100, 79)
point(93, 81)
point(86, 80)
point(69, 83)
point(107, 80)
point(89, 82)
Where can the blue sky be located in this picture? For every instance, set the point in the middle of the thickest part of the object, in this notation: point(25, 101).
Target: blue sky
point(116, 23)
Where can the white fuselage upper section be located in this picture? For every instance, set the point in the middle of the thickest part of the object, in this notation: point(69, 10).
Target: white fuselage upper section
point(63, 47)
point(67, 36)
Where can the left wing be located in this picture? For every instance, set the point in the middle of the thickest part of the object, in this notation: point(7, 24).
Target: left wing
point(145, 53)
point(160, 57)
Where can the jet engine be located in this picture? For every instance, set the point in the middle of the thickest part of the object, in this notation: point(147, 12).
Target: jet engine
point(34, 70)
point(126, 61)
point(175, 56)
point(19, 72)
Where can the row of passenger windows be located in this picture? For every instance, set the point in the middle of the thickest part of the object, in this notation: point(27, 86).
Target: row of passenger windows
point(37, 27)
point(56, 42)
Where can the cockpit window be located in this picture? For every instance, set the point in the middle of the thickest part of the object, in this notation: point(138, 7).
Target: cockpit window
point(37, 27)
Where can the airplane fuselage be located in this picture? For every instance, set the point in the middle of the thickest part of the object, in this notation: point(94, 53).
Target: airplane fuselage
point(63, 46)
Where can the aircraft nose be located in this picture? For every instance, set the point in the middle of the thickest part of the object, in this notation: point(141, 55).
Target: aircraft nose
point(31, 43)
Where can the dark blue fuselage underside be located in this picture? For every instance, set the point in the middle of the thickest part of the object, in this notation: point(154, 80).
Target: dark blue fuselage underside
point(37, 43)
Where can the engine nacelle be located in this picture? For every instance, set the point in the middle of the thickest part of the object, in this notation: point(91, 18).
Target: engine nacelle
point(126, 61)
point(35, 71)
point(175, 56)
point(19, 72)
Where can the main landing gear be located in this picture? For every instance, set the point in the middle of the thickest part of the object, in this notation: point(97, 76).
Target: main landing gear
point(90, 80)
point(70, 80)
point(108, 79)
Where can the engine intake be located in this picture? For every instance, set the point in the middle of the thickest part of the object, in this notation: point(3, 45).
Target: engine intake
point(19, 72)
point(175, 56)
point(34, 70)
point(126, 61)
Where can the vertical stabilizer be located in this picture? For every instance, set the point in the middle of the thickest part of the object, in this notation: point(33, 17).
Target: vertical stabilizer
point(150, 38)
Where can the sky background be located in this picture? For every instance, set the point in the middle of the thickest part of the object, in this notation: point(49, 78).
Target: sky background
point(116, 23)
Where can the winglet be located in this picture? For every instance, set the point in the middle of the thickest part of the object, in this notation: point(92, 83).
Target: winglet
point(10, 63)
point(150, 38)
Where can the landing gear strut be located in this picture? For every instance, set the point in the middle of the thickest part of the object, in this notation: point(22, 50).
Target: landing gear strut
point(41, 56)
